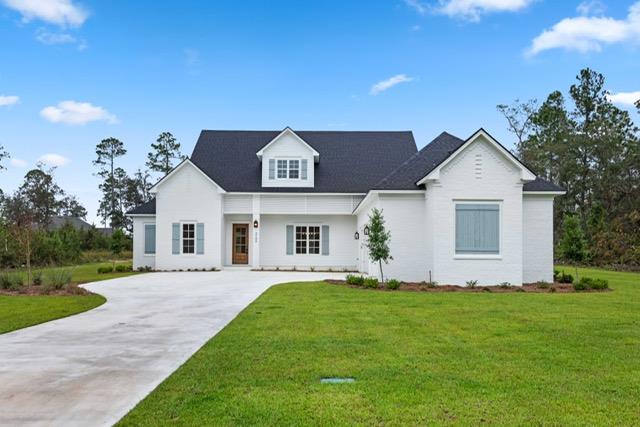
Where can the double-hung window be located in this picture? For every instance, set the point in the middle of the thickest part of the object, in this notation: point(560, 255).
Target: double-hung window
point(477, 229)
point(294, 169)
point(188, 238)
point(308, 239)
point(282, 169)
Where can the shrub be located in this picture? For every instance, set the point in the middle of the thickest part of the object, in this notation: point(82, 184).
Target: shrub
point(121, 268)
point(355, 280)
point(104, 269)
point(393, 284)
point(542, 284)
point(430, 284)
point(586, 283)
point(57, 279)
point(144, 269)
point(371, 282)
point(37, 278)
point(565, 277)
point(472, 283)
point(555, 275)
point(11, 281)
point(504, 285)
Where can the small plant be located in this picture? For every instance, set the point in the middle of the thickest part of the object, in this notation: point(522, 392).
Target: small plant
point(355, 280)
point(504, 285)
point(37, 278)
point(429, 284)
point(121, 268)
point(564, 277)
point(105, 269)
point(472, 283)
point(556, 273)
point(11, 281)
point(393, 284)
point(586, 283)
point(371, 282)
point(552, 290)
point(312, 268)
point(144, 269)
point(57, 279)
point(486, 289)
point(543, 285)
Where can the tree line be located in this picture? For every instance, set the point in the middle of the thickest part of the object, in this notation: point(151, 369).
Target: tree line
point(591, 148)
point(26, 235)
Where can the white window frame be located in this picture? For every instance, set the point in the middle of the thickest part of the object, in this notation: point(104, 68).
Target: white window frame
point(307, 240)
point(497, 256)
point(182, 238)
point(287, 170)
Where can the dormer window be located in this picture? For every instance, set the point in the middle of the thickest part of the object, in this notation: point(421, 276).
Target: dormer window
point(290, 169)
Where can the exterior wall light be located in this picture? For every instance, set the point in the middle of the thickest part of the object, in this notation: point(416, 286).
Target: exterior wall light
point(255, 224)
point(366, 230)
point(356, 236)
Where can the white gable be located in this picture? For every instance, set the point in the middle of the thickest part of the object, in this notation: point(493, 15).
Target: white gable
point(492, 148)
point(185, 172)
point(288, 161)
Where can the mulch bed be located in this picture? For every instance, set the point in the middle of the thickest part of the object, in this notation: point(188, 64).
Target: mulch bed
point(42, 290)
point(527, 287)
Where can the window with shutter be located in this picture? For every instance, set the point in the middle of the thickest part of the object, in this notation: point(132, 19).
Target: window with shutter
point(478, 228)
point(149, 239)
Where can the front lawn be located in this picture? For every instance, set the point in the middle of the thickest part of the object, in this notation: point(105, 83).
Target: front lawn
point(418, 359)
point(20, 311)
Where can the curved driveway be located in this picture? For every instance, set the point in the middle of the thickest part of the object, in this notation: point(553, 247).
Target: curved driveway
point(92, 368)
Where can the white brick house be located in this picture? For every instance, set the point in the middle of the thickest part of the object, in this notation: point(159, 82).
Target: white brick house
point(457, 210)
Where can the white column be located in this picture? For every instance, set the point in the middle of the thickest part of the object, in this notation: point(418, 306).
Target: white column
point(255, 233)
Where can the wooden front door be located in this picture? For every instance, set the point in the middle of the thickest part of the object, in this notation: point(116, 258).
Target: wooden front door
point(240, 254)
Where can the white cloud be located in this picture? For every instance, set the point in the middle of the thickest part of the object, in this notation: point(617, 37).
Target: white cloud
point(417, 6)
point(8, 100)
point(60, 12)
point(589, 33)
point(18, 163)
point(77, 113)
point(383, 85)
point(624, 98)
point(591, 7)
point(415, 28)
point(472, 10)
point(46, 37)
point(53, 159)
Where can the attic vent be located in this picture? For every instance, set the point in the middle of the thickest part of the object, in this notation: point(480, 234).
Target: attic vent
point(478, 166)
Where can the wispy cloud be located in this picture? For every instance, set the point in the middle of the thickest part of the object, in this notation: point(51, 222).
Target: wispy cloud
point(591, 7)
point(472, 10)
point(8, 100)
point(77, 113)
point(49, 38)
point(53, 159)
point(192, 60)
point(417, 6)
point(589, 33)
point(383, 85)
point(64, 13)
point(625, 98)
point(18, 163)
point(415, 28)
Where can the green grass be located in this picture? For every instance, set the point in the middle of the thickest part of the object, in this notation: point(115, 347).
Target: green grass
point(20, 311)
point(418, 358)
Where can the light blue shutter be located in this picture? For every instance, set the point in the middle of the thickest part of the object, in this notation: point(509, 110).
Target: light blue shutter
point(175, 238)
point(325, 240)
point(272, 169)
point(149, 238)
point(477, 228)
point(303, 172)
point(200, 238)
point(289, 239)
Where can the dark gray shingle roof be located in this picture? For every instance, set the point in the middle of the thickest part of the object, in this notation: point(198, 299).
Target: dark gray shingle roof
point(424, 161)
point(350, 162)
point(148, 208)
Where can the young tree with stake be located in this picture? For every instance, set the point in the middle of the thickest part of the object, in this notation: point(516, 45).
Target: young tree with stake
point(378, 241)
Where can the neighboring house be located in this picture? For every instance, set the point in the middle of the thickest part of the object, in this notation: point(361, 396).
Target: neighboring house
point(57, 222)
point(457, 210)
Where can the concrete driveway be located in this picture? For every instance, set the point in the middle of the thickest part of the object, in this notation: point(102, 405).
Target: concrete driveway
point(92, 368)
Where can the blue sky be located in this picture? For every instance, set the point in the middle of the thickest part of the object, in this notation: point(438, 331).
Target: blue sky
point(73, 73)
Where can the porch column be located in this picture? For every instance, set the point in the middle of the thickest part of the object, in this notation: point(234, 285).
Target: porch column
point(255, 233)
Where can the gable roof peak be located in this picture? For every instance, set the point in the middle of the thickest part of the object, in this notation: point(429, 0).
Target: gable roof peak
point(287, 129)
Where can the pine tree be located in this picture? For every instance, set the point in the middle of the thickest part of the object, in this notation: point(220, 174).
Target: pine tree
point(378, 240)
point(165, 151)
point(107, 151)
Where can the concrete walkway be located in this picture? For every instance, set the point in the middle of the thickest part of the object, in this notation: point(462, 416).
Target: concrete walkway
point(92, 368)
